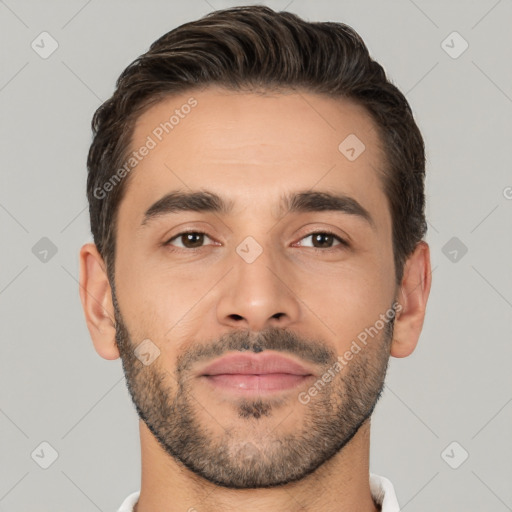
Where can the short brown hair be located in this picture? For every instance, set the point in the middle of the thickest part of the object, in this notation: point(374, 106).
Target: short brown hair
point(256, 48)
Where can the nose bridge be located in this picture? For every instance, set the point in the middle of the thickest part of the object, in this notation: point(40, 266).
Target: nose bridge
point(255, 295)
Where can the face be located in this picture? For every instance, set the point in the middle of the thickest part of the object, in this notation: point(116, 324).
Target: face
point(242, 274)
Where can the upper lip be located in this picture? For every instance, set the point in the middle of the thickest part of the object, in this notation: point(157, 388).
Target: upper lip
point(254, 364)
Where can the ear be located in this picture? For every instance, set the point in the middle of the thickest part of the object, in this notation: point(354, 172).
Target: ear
point(96, 297)
point(412, 298)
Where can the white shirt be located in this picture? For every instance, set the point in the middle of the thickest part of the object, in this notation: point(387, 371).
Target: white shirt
point(382, 490)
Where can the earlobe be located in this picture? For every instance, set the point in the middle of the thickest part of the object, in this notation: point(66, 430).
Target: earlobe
point(96, 297)
point(413, 297)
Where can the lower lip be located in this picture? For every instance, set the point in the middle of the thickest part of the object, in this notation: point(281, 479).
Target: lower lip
point(264, 383)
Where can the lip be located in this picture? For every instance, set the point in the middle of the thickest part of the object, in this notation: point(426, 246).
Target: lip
point(250, 373)
point(252, 364)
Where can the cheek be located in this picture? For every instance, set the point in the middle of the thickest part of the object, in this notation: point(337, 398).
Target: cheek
point(162, 305)
point(346, 302)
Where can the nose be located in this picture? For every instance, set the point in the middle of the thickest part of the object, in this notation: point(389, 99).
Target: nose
point(258, 295)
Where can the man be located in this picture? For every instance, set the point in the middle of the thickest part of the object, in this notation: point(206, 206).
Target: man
point(256, 190)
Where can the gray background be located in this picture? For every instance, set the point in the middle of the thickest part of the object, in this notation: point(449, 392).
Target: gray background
point(456, 386)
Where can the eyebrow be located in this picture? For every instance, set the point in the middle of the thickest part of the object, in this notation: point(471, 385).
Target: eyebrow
point(297, 202)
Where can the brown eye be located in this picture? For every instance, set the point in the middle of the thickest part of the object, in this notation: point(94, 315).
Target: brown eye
point(188, 240)
point(192, 239)
point(324, 240)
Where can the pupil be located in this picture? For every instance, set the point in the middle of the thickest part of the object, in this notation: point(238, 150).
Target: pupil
point(190, 238)
point(323, 238)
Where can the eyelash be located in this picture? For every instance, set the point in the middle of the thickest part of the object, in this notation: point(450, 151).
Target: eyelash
point(343, 243)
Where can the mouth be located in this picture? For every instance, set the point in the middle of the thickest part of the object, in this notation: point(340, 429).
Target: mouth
point(250, 373)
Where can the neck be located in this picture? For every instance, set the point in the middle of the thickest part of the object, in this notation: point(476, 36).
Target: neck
point(340, 484)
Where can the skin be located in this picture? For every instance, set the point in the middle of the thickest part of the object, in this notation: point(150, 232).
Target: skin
point(304, 303)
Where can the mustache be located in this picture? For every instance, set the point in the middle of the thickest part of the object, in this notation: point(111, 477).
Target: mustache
point(273, 338)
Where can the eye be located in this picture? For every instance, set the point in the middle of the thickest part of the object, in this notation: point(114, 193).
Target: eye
point(324, 240)
point(188, 240)
point(320, 240)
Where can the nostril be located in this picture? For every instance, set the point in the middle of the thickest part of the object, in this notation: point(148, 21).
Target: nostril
point(236, 317)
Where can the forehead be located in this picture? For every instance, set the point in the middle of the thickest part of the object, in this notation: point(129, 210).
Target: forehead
point(250, 145)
